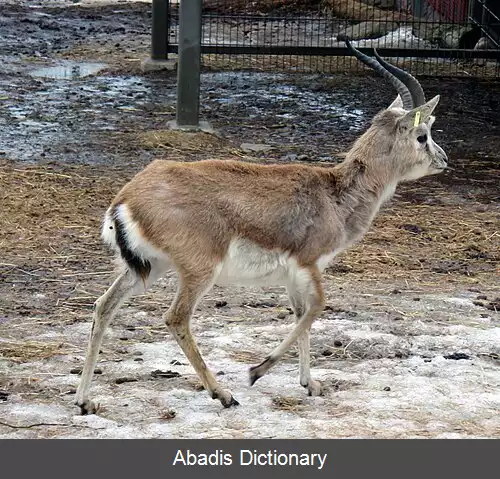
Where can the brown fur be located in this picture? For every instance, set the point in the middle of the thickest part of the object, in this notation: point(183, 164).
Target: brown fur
point(185, 208)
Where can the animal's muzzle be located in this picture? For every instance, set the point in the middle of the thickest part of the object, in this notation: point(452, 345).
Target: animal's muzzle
point(441, 159)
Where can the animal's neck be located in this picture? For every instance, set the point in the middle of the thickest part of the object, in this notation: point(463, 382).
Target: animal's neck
point(362, 185)
point(363, 177)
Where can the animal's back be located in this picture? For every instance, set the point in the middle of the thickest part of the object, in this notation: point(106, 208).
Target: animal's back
point(219, 199)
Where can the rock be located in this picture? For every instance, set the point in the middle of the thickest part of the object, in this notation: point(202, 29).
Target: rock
point(387, 388)
point(484, 43)
point(454, 36)
point(473, 289)
point(150, 65)
point(445, 35)
point(165, 374)
point(125, 380)
point(492, 305)
point(362, 9)
point(415, 229)
point(452, 266)
point(282, 315)
point(79, 371)
point(457, 356)
point(220, 304)
point(260, 304)
point(169, 414)
point(366, 30)
point(255, 147)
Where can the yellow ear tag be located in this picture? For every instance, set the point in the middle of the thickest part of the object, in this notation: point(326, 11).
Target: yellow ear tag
point(417, 119)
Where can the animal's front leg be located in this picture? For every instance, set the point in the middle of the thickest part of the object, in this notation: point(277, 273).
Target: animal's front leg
point(300, 309)
point(309, 297)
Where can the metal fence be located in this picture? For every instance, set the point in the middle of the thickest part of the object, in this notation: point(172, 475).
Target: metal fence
point(427, 37)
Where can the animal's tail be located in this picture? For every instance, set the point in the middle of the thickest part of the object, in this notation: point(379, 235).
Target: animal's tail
point(122, 233)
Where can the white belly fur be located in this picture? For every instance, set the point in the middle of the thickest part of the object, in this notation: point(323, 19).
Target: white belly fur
point(248, 264)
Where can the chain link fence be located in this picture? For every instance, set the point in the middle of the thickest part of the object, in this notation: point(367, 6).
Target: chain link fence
point(426, 37)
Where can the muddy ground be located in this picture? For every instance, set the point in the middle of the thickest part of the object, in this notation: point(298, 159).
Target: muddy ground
point(409, 344)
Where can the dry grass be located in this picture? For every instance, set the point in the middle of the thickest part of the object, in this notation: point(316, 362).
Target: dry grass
point(178, 145)
point(286, 403)
point(428, 240)
point(50, 242)
point(25, 351)
point(179, 140)
point(247, 357)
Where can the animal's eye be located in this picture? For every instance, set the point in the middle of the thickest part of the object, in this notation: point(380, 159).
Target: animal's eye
point(422, 139)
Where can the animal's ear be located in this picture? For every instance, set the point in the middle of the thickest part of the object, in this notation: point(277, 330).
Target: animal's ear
point(397, 103)
point(420, 114)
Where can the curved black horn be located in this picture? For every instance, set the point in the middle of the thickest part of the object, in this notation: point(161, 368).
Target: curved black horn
point(401, 88)
point(416, 90)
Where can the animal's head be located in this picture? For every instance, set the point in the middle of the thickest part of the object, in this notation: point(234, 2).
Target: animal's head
point(404, 128)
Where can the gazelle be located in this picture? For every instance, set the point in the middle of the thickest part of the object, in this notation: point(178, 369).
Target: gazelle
point(230, 222)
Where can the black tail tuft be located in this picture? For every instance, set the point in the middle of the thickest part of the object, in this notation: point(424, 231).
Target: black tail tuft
point(142, 267)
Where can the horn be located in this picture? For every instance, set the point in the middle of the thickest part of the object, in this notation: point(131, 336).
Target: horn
point(400, 87)
point(413, 85)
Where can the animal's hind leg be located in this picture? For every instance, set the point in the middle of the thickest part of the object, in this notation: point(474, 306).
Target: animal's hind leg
point(127, 284)
point(191, 289)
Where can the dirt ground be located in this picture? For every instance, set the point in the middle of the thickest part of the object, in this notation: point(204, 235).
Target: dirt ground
point(409, 343)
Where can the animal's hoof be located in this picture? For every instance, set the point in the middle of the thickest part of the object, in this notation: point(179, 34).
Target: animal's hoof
point(254, 374)
point(86, 406)
point(314, 388)
point(230, 403)
point(225, 398)
point(258, 371)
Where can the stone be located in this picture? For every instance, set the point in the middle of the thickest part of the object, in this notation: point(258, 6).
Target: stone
point(149, 65)
point(255, 147)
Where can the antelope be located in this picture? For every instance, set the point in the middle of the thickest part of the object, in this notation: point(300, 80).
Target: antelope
point(230, 222)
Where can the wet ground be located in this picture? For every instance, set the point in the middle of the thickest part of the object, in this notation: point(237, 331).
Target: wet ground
point(413, 308)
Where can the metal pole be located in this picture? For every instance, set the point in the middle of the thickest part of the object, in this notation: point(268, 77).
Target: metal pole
point(159, 30)
point(188, 65)
point(418, 8)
